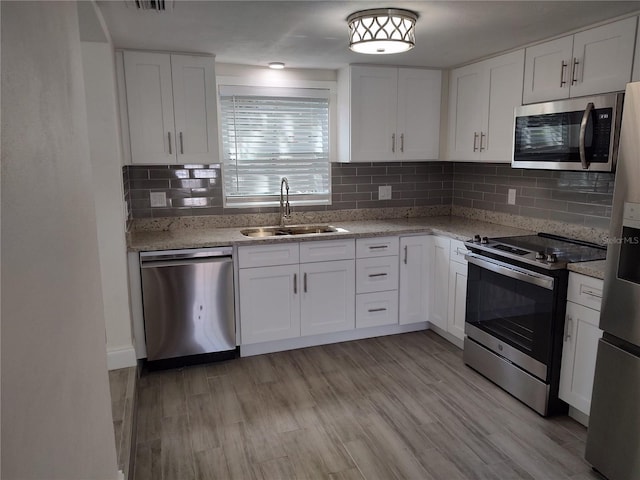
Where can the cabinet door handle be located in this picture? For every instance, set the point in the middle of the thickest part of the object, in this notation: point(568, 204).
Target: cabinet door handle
point(371, 310)
point(402, 142)
point(181, 145)
point(574, 69)
point(406, 253)
point(393, 143)
point(373, 275)
point(295, 283)
point(567, 328)
point(304, 281)
point(562, 72)
point(169, 137)
point(482, 137)
point(475, 141)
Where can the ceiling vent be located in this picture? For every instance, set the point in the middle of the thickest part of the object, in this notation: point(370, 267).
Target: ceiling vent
point(154, 5)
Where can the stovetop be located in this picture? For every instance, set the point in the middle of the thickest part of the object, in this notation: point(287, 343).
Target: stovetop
point(544, 250)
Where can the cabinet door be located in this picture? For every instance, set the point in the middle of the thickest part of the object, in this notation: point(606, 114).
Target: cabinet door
point(457, 299)
point(414, 279)
point(465, 112)
point(579, 356)
point(503, 77)
point(150, 107)
point(328, 297)
point(269, 303)
point(194, 98)
point(418, 124)
point(547, 71)
point(373, 114)
point(605, 58)
point(439, 282)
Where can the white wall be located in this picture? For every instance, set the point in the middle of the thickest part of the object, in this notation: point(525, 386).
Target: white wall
point(104, 141)
point(56, 412)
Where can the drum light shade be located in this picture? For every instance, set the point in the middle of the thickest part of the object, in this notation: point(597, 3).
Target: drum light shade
point(382, 31)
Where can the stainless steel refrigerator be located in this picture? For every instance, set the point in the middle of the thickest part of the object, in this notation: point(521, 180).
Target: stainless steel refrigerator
point(613, 439)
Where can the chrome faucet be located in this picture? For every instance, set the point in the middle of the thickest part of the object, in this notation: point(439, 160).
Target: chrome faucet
point(285, 208)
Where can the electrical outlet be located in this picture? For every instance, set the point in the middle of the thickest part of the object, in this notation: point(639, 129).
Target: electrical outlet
point(158, 199)
point(511, 197)
point(384, 192)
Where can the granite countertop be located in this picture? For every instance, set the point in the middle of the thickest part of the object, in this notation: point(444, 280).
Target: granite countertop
point(456, 227)
point(592, 269)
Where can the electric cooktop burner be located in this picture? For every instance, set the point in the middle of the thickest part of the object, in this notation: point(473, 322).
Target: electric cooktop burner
point(544, 250)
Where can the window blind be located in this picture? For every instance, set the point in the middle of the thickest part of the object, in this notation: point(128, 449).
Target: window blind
point(270, 133)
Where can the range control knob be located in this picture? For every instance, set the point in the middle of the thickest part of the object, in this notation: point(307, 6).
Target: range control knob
point(476, 238)
point(540, 255)
point(485, 240)
point(552, 258)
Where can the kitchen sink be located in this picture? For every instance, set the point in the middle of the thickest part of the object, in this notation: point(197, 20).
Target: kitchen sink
point(289, 230)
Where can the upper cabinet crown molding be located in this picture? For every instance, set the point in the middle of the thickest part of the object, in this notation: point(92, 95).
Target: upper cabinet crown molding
point(388, 114)
point(171, 107)
point(482, 97)
point(594, 61)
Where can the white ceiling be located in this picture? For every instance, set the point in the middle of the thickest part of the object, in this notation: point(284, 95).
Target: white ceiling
point(313, 33)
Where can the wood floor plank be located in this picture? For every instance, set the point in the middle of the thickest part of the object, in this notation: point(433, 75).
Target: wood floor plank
point(402, 406)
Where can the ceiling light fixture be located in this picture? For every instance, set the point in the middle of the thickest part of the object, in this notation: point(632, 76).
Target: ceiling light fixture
point(382, 30)
point(276, 65)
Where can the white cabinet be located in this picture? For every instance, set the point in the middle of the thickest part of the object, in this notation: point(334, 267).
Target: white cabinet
point(171, 106)
point(439, 281)
point(414, 279)
point(580, 345)
point(388, 114)
point(598, 60)
point(457, 289)
point(482, 97)
point(281, 298)
point(376, 281)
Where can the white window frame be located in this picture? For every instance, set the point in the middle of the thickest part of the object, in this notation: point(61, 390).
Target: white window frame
point(269, 81)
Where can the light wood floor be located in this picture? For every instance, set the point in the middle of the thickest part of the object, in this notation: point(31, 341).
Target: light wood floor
point(402, 406)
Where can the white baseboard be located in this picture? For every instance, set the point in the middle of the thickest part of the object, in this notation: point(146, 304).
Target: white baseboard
point(121, 475)
point(447, 336)
point(579, 416)
point(303, 342)
point(121, 358)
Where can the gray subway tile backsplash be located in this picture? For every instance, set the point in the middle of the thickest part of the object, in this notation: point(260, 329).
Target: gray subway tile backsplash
point(577, 197)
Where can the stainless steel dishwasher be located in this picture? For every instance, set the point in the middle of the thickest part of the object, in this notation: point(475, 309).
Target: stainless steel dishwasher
point(188, 302)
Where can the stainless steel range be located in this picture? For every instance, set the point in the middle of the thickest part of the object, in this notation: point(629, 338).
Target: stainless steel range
point(516, 301)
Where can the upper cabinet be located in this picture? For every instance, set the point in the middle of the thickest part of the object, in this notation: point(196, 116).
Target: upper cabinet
point(388, 114)
point(482, 97)
point(591, 62)
point(171, 106)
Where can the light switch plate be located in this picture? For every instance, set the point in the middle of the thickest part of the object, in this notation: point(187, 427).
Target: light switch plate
point(384, 192)
point(511, 197)
point(158, 199)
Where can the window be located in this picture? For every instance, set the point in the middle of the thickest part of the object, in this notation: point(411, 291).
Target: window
point(274, 132)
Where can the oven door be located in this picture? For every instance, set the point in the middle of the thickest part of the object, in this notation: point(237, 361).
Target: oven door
point(510, 311)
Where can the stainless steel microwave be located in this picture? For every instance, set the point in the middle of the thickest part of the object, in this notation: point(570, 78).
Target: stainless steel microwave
point(576, 134)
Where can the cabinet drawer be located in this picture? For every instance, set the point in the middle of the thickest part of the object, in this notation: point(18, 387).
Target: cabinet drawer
point(268, 255)
point(585, 290)
point(457, 251)
point(327, 250)
point(375, 309)
point(377, 247)
point(376, 274)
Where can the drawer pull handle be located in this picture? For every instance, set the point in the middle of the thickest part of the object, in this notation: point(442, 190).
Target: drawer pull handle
point(372, 275)
point(372, 310)
point(377, 247)
point(592, 293)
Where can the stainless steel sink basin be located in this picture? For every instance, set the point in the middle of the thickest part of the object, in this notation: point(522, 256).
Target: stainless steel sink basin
point(289, 230)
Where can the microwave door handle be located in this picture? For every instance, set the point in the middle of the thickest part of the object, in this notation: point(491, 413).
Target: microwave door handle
point(583, 134)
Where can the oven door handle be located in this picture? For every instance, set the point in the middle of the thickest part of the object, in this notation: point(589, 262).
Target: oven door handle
point(511, 271)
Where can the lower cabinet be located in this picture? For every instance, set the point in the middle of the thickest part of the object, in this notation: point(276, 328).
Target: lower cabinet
point(457, 299)
point(278, 302)
point(414, 279)
point(439, 281)
point(580, 344)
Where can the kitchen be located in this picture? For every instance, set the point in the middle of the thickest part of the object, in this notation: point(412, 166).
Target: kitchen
point(477, 189)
